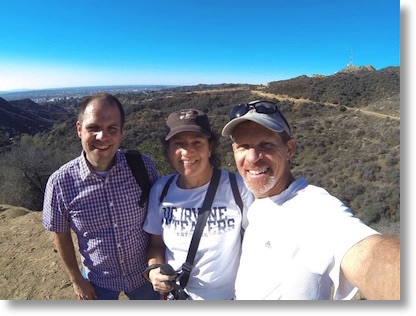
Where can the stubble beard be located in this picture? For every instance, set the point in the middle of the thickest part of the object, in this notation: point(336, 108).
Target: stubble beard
point(259, 189)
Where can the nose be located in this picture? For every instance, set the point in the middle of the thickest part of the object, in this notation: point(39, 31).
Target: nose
point(185, 151)
point(100, 135)
point(254, 155)
point(186, 148)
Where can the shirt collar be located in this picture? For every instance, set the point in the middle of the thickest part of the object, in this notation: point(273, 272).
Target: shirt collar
point(291, 191)
point(85, 170)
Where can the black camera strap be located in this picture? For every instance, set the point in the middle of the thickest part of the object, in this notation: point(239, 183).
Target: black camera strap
point(199, 228)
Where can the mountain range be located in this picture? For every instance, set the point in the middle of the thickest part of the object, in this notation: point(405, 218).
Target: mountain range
point(361, 87)
point(347, 126)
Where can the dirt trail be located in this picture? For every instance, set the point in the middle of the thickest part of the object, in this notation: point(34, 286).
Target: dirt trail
point(296, 101)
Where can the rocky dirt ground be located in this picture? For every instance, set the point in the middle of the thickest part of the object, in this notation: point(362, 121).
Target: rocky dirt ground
point(30, 269)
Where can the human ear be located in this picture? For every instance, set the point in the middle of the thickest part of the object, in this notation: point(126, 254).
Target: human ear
point(291, 146)
point(79, 128)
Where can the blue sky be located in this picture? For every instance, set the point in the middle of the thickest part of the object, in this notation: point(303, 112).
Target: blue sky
point(62, 43)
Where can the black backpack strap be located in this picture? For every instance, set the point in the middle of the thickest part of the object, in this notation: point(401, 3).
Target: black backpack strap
point(236, 191)
point(166, 188)
point(199, 228)
point(136, 164)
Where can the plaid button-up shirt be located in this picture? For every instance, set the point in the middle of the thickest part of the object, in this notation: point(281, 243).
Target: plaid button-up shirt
point(106, 217)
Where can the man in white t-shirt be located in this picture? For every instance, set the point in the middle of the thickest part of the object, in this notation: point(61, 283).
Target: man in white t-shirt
point(301, 243)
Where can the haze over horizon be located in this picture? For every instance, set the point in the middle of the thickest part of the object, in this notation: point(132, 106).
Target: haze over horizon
point(58, 44)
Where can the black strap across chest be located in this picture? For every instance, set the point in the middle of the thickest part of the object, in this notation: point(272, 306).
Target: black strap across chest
point(202, 217)
point(199, 228)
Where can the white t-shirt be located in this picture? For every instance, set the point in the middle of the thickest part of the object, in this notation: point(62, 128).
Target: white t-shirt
point(294, 244)
point(217, 258)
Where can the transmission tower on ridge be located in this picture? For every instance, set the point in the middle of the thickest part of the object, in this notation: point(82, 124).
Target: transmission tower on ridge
point(350, 62)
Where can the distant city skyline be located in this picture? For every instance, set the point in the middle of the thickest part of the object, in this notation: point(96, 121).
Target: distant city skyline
point(54, 44)
point(42, 95)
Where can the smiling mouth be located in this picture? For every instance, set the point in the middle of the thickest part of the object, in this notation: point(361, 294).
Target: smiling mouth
point(188, 162)
point(102, 148)
point(257, 172)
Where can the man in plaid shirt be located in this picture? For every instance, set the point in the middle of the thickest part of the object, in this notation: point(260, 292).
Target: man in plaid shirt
point(97, 196)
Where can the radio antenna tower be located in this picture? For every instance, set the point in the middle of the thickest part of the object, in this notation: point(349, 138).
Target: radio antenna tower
point(350, 63)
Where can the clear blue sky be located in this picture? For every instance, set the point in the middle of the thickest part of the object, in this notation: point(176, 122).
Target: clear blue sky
point(61, 43)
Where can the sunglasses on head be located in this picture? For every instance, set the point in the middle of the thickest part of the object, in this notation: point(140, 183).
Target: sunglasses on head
point(262, 107)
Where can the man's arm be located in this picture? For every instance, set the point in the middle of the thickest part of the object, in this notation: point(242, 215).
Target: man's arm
point(65, 247)
point(373, 265)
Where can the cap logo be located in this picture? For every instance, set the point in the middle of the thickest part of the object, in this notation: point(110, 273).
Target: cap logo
point(187, 115)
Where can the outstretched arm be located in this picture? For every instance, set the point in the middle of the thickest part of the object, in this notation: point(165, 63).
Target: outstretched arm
point(373, 265)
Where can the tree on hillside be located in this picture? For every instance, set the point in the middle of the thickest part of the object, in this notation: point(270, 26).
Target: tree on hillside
point(25, 170)
point(154, 149)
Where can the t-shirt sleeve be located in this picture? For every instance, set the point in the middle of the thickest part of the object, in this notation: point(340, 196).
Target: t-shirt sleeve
point(153, 221)
point(349, 231)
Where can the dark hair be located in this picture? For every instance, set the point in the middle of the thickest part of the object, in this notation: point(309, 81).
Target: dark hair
point(102, 98)
point(213, 141)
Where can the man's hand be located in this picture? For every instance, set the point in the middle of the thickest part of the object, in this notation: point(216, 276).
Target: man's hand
point(84, 290)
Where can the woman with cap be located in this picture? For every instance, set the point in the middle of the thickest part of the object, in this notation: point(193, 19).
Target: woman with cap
point(174, 209)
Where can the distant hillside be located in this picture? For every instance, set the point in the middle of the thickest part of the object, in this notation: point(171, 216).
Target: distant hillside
point(27, 117)
point(347, 126)
point(360, 87)
point(356, 87)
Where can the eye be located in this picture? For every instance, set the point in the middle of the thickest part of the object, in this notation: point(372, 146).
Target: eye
point(241, 147)
point(267, 146)
point(92, 129)
point(177, 143)
point(113, 129)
